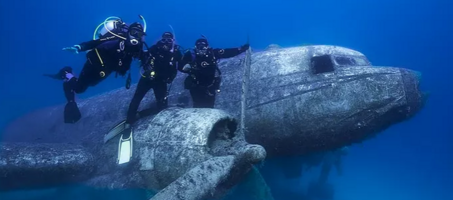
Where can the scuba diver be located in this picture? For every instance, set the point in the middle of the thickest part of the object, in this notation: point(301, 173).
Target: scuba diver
point(118, 44)
point(158, 68)
point(204, 78)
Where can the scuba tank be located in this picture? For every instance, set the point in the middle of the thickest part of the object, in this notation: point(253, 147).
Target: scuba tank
point(112, 26)
point(115, 26)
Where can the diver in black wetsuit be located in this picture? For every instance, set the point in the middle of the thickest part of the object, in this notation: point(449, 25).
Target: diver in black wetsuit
point(113, 52)
point(159, 68)
point(204, 75)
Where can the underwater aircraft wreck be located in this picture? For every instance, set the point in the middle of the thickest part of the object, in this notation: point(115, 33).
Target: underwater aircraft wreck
point(281, 102)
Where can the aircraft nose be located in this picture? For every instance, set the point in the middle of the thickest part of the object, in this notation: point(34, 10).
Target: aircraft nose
point(414, 96)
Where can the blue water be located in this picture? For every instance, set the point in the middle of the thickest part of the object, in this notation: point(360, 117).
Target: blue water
point(411, 160)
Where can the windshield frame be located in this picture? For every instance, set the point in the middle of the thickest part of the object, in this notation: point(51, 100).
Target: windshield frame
point(358, 60)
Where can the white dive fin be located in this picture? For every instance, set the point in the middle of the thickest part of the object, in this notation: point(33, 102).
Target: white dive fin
point(119, 128)
point(125, 147)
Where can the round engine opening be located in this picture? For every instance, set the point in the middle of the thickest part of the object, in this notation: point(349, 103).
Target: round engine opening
point(222, 133)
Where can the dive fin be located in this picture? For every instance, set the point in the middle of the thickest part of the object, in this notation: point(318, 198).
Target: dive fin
point(119, 128)
point(54, 76)
point(125, 147)
point(122, 126)
point(71, 113)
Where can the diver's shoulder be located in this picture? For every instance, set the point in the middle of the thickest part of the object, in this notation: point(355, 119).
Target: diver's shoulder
point(186, 51)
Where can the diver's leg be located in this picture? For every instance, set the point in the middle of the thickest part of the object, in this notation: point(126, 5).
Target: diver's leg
point(212, 92)
point(71, 111)
point(209, 100)
point(190, 85)
point(143, 86)
point(160, 92)
point(204, 98)
point(89, 76)
point(71, 85)
point(197, 97)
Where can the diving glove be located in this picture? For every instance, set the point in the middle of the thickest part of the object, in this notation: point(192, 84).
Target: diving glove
point(75, 49)
point(186, 68)
point(71, 113)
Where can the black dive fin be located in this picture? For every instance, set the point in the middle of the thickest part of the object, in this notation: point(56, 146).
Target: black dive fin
point(71, 113)
point(54, 76)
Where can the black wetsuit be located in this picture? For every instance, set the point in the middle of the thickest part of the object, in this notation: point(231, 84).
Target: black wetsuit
point(202, 81)
point(164, 65)
point(105, 56)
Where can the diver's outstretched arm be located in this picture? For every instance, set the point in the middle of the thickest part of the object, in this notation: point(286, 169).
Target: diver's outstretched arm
point(230, 52)
point(84, 46)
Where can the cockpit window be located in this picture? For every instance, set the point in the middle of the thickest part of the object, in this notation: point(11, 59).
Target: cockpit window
point(351, 61)
point(322, 64)
point(345, 61)
point(328, 63)
point(361, 61)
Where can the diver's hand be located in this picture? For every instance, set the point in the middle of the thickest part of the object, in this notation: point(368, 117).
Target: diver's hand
point(75, 49)
point(186, 68)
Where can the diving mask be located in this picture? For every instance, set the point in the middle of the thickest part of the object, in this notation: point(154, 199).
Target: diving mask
point(135, 33)
point(166, 43)
point(202, 47)
point(166, 40)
